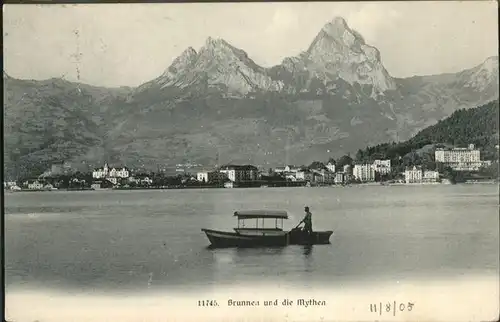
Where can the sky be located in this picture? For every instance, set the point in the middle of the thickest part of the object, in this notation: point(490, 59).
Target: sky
point(129, 44)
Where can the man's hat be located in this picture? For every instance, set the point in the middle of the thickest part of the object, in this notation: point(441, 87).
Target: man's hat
point(306, 208)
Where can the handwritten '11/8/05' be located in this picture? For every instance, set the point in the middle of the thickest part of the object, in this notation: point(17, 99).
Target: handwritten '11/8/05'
point(391, 307)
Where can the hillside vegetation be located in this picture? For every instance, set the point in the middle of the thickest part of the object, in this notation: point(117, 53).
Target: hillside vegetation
point(478, 126)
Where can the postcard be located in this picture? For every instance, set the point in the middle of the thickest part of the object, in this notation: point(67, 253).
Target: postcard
point(255, 161)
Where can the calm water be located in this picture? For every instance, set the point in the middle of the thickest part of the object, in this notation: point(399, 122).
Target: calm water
point(117, 241)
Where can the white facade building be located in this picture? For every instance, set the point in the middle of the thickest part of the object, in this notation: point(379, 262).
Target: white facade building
point(237, 173)
point(106, 172)
point(430, 176)
point(460, 159)
point(9, 184)
point(413, 175)
point(35, 185)
point(364, 172)
point(340, 177)
point(382, 166)
point(208, 176)
point(330, 166)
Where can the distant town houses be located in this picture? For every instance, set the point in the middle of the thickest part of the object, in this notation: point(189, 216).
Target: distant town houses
point(364, 172)
point(461, 159)
point(238, 173)
point(330, 166)
point(340, 178)
point(413, 175)
point(211, 176)
point(456, 165)
point(107, 172)
point(382, 166)
point(304, 175)
point(11, 185)
point(430, 176)
point(324, 177)
point(35, 185)
point(287, 169)
point(141, 180)
point(418, 175)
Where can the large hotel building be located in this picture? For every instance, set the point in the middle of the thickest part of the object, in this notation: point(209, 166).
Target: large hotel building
point(460, 159)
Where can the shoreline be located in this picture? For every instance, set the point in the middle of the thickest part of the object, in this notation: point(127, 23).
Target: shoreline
point(364, 184)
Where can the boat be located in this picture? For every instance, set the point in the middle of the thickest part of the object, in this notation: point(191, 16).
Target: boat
point(261, 236)
point(298, 236)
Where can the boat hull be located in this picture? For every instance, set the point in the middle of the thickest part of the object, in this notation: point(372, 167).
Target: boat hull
point(221, 239)
point(301, 237)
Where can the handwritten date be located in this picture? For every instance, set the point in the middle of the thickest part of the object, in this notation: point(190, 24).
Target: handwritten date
point(391, 307)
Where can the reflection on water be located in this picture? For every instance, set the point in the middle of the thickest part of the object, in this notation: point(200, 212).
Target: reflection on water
point(308, 250)
point(151, 240)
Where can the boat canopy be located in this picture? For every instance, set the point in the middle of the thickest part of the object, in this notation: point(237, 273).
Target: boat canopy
point(246, 214)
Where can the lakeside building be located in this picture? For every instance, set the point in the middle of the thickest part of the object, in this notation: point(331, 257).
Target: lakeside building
point(9, 184)
point(430, 176)
point(210, 176)
point(382, 166)
point(460, 159)
point(330, 166)
point(413, 175)
point(287, 169)
point(340, 178)
point(142, 179)
point(35, 185)
point(237, 173)
point(364, 172)
point(304, 175)
point(322, 176)
point(106, 172)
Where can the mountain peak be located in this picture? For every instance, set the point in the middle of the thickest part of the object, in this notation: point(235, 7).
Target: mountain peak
point(335, 26)
point(216, 42)
point(217, 64)
point(338, 34)
point(339, 51)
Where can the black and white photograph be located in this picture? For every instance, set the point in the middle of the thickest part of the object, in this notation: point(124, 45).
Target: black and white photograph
point(253, 161)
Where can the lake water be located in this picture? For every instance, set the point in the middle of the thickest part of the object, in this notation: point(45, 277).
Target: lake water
point(148, 242)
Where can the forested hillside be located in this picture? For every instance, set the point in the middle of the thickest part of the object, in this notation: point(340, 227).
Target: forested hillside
point(478, 126)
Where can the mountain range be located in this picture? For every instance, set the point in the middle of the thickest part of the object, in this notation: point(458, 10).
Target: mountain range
point(216, 105)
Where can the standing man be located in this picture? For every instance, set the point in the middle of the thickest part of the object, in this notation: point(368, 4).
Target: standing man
point(307, 220)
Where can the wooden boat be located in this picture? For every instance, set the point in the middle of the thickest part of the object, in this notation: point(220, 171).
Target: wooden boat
point(260, 235)
point(244, 236)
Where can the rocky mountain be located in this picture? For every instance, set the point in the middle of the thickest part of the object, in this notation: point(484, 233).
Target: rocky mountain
point(337, 52)
point(217, 103)
point(217, 64)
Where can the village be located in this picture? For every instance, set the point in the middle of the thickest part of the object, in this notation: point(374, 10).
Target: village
point(340, 172)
